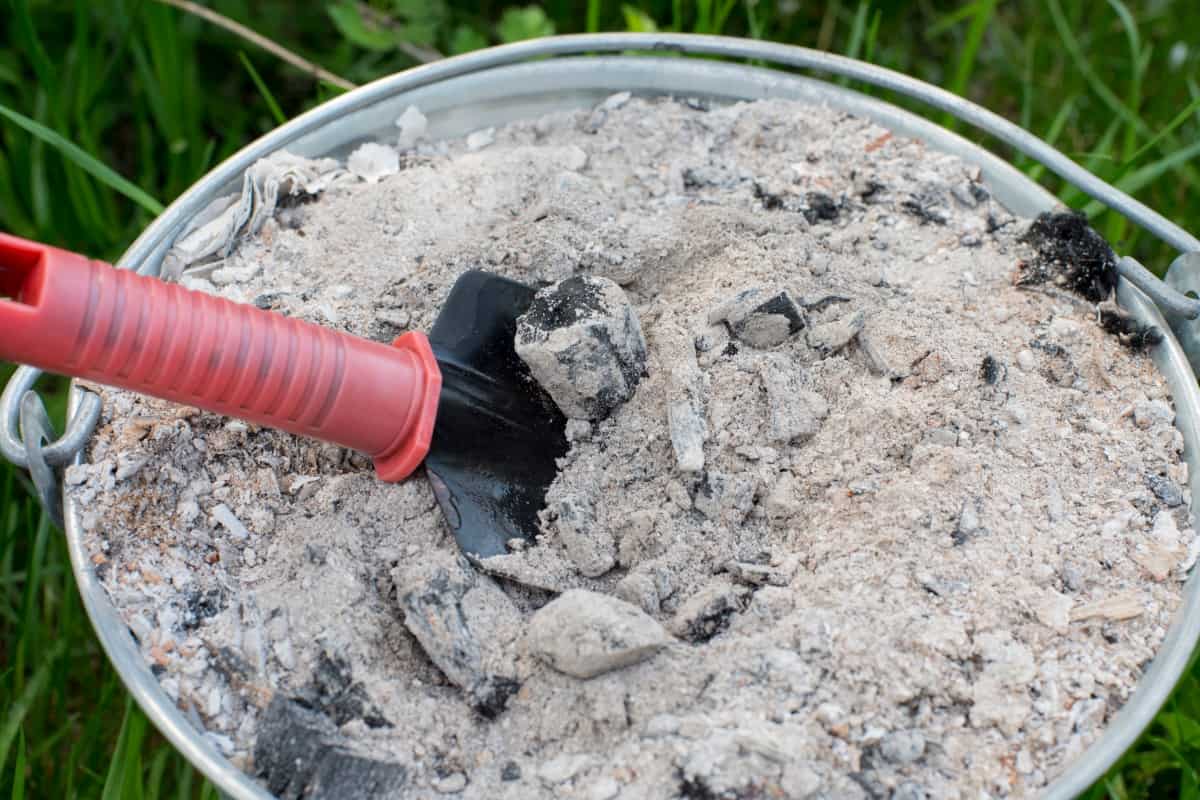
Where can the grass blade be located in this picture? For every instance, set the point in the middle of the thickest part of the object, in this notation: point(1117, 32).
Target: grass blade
point(752, 22)
point(43, 67)
point(953, 18)
point(1179, 119)
point(1052, 133)
point(1084, 66)
point(858, 30)
point(124, 779)
point(873, 35)
point(18, 785)
point(723, 12)
point(1139, 179)
point(1129, 25)
point(10, 726)
point(984, 11)
point(269, 98)
point(83, 160)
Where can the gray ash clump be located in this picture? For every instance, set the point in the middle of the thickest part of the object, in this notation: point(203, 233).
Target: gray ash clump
point(1070, 253)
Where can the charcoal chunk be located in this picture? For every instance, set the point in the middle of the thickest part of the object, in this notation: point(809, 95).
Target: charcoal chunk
point(1126, 328)
point(334, 692)
point(1070, 254)
point(1166, 490)
point(298, 756)
point(466, 624)
point(708, 612)
point(820, 208)
point(927, 206)
point(341, 775)
point(202, 605)
point(583, 343)
point(991, 370)
point(761, 317)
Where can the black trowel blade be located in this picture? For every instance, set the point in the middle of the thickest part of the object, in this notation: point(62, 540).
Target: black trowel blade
point(498, 434)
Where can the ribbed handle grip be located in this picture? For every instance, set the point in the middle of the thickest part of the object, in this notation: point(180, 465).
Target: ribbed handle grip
point(67, 314)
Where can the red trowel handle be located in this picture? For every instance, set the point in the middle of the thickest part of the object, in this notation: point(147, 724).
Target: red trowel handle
point(64, 313)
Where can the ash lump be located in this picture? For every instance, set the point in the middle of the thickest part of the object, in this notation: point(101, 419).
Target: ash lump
point(762, 317)
point(588, 544)
point(465, 624)
point(585, 634)
point(686, 420)
point(709, 611)
point(725, 497)
point(829, 338)
point(583, 343)
point(795, 412)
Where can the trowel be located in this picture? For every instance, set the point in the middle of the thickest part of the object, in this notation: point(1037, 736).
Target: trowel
point(460, 400)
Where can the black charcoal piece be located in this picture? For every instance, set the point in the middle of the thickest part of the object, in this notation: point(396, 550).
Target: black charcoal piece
point(583, 343)
point(928, 207)
point(1166, 490)
point(459, 617)
point(202, 605)
point(991, 370)
point(342, 775)
point(334, 692)
point(1071, 254)
point(708, 612)
point(761, 317)
point(821, 208)
point(290, 743)
point(296, 754)
point(1126, 328)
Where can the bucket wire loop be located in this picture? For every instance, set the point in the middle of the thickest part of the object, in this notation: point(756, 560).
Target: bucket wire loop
point(59, 452)
point(36, 430)
point(1174, 304)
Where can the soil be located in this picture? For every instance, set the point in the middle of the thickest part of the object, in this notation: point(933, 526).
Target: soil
point(880, 518)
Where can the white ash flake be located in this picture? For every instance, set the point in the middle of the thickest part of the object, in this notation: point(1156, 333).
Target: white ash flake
point(373, 161)
point(899, 579)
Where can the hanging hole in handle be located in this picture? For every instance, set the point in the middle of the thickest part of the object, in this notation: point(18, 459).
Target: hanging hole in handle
point(20, 271)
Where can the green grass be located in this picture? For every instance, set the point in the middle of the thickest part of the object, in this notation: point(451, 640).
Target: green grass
point(110, 108)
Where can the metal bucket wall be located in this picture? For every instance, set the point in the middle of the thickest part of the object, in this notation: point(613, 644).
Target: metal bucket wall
point(491, 88)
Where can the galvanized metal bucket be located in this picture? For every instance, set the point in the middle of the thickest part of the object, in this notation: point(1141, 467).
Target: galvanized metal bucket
point(495, 86)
